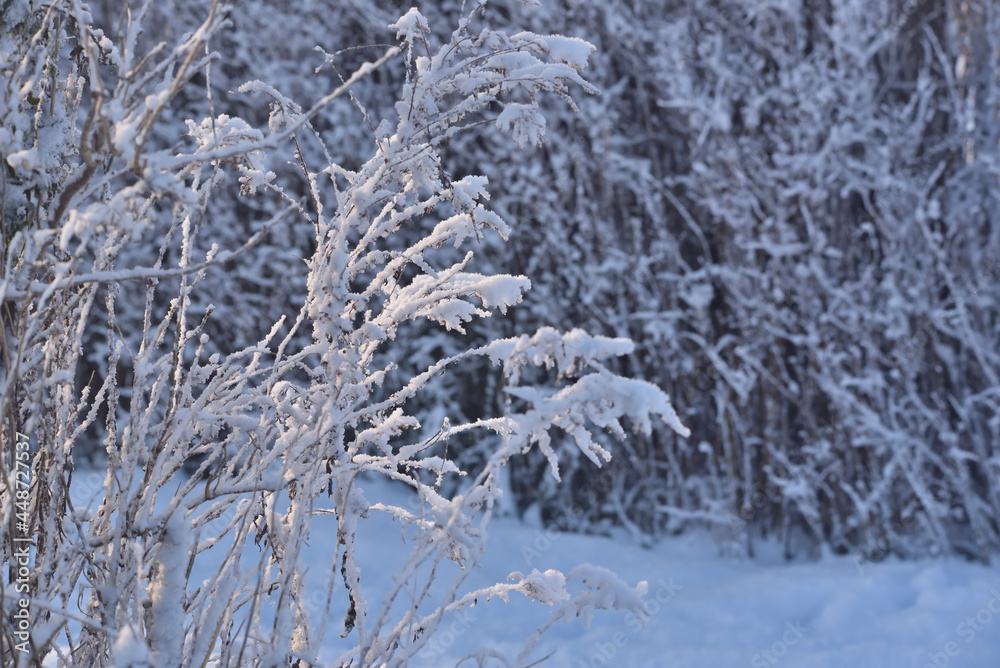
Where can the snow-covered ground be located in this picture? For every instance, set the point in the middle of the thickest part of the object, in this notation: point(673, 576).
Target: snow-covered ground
point(705, 610)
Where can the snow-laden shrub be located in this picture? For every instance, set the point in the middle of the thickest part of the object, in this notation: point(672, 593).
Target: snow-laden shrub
point(281, 434)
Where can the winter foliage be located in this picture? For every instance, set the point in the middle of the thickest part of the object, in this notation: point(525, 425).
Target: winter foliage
point(255, 257)
point(276, 438)
point(791, 209)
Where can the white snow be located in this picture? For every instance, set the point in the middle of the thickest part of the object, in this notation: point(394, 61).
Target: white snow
point(707, 610)
point(525, 123)
point(572, 51)
point(702, 609)
point(410, 26)
point(28, 159)
point(130, 652)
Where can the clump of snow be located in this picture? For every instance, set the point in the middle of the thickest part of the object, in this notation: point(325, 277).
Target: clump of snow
point(129, 651)
point(27, 159)
point(571, 51)
point(226, 131)
point(548, 587)
point(410, 26)
point(524, 122)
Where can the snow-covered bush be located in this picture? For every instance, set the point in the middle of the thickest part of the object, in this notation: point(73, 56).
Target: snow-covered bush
point(109, 200)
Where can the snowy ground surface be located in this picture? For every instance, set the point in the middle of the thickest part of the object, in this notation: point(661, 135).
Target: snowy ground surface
point(708, 610)
point(705, 609)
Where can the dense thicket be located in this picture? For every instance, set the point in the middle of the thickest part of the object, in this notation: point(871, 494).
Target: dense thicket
point(244, 351)
point(791, 206)
point(798, 222)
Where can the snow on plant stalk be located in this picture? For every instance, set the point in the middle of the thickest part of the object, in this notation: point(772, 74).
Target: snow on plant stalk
point(282, 437)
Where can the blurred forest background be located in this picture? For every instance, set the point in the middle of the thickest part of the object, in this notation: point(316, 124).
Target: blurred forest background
point(790, 205)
